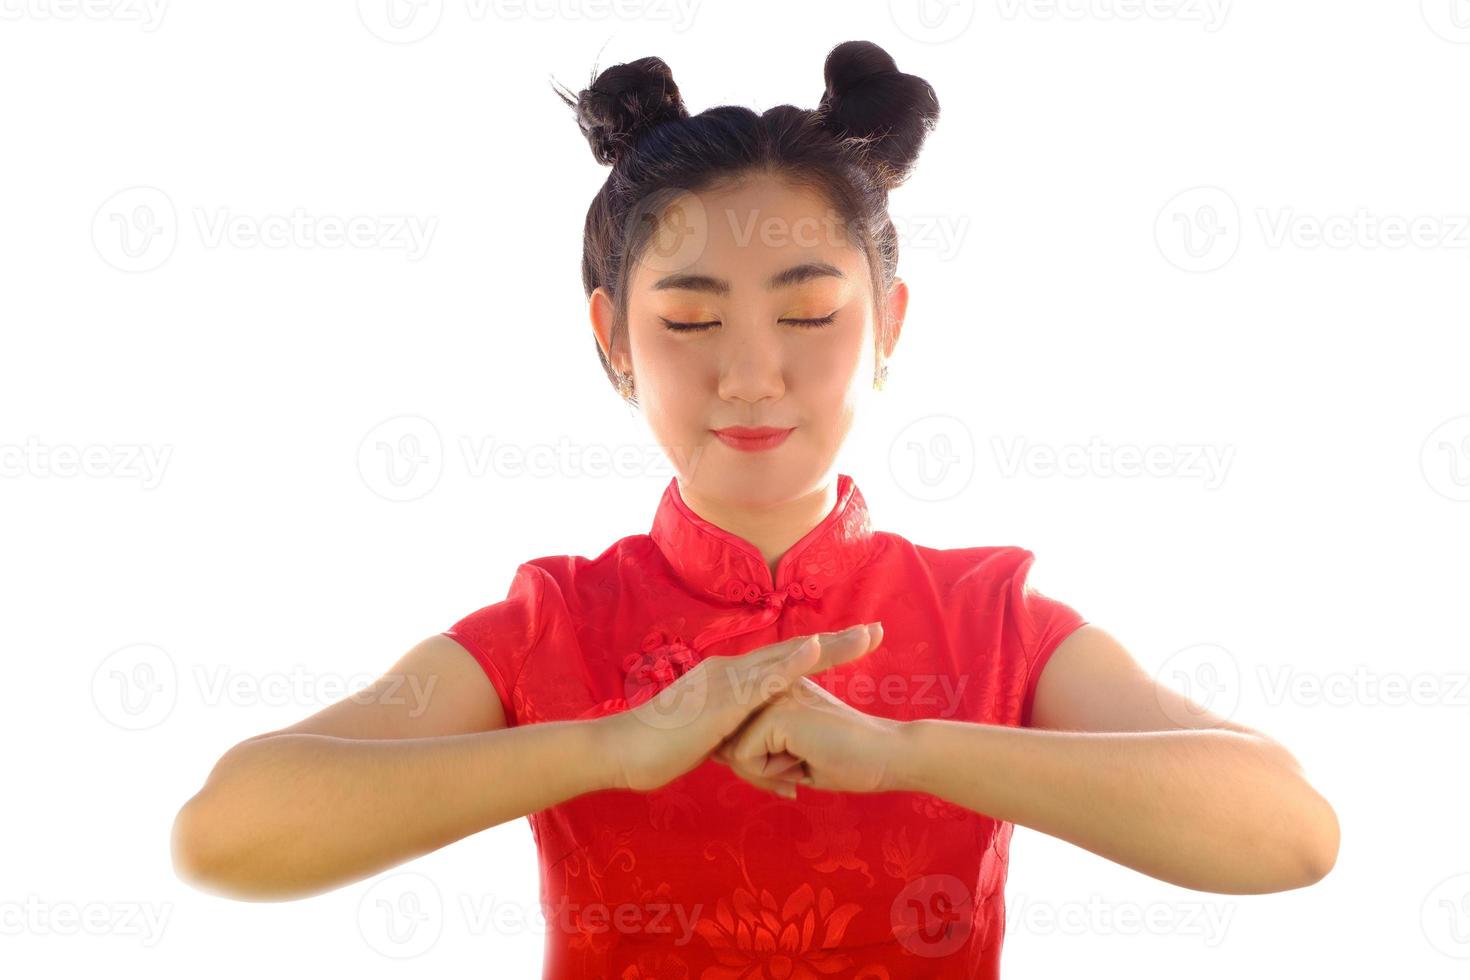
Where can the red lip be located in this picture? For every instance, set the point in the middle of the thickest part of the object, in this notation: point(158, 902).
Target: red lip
point(752, 440)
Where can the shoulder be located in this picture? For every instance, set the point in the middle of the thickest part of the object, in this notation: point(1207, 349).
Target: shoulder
point(987, 586)
point(574, 584)
point(982, 568)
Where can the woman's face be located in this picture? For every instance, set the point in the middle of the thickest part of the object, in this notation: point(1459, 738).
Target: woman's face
point(750, 309)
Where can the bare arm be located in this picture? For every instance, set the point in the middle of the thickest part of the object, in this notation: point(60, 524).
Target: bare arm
point(420, 760)
point(1217, 807)
point(407, 767)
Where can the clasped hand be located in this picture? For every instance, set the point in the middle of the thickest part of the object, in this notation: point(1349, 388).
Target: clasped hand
point(759, 714)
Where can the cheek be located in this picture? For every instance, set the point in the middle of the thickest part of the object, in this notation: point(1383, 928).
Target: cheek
point(673, 382)
point(677, 370)
point(831, 363)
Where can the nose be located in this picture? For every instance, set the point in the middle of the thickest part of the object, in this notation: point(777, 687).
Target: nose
point(752, 365)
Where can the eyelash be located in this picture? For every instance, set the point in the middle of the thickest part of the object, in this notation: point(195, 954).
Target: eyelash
point(810, 324)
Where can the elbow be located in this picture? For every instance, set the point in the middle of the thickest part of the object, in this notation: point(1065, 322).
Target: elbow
point(1312, 848)
point(203, 862)
point(1314, 830)
point(191, 852)
point(1321, 852)
point(204, 857)
point(201, 838)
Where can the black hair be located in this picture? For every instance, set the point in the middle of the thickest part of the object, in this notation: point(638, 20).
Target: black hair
point(859, 143)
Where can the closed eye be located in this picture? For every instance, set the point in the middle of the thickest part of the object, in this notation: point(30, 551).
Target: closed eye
point(820, 321)
point(679, 327)
point(688, 327)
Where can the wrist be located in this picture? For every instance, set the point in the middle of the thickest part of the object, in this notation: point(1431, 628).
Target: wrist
point(603, 751)
point(899, 746)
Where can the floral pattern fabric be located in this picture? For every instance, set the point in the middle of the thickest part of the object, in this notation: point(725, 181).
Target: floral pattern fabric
point(709, 878)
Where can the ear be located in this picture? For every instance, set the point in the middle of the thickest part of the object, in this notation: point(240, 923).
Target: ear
point(898, 305)
point(601, 311)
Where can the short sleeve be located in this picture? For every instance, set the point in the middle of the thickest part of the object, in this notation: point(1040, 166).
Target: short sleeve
point(500, 636)
point(1043, 623)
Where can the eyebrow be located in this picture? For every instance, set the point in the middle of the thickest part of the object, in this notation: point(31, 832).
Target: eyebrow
point(721, 287)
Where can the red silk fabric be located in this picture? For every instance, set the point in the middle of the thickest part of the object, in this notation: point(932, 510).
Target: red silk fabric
point(708, 878)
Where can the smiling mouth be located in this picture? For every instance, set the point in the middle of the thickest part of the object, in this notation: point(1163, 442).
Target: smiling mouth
point(752, 439)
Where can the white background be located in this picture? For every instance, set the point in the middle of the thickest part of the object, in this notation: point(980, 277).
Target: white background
point(1178, 227)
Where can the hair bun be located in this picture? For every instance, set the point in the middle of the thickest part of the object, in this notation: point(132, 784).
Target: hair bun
point(886, 112)
point(624, 102)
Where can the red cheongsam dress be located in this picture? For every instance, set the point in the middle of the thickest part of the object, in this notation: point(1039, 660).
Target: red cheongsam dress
point(709, 878)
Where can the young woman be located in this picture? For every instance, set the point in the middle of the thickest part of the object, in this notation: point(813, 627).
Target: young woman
point(762, 739)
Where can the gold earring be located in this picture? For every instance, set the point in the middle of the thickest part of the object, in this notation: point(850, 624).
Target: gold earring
point(882, 377)
point(625, 384)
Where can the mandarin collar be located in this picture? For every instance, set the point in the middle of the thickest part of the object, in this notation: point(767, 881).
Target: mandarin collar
point(710, 560)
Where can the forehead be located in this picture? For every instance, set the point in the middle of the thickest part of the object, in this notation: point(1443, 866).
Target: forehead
point(747, 233)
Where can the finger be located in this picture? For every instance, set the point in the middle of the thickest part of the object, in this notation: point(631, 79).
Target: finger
point(782, 784)
point(774, 766)
point(793, 647)
point(767, 780)
point(846, 646)
point(781, 668)
point(780, 763)
point(777, 766)
point(749, 752)
point(785, 788)
point(771, 671)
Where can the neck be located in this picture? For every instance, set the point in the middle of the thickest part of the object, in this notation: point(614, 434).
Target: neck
point(771, 528)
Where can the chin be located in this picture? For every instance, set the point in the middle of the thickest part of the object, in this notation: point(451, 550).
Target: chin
point(752, 479)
